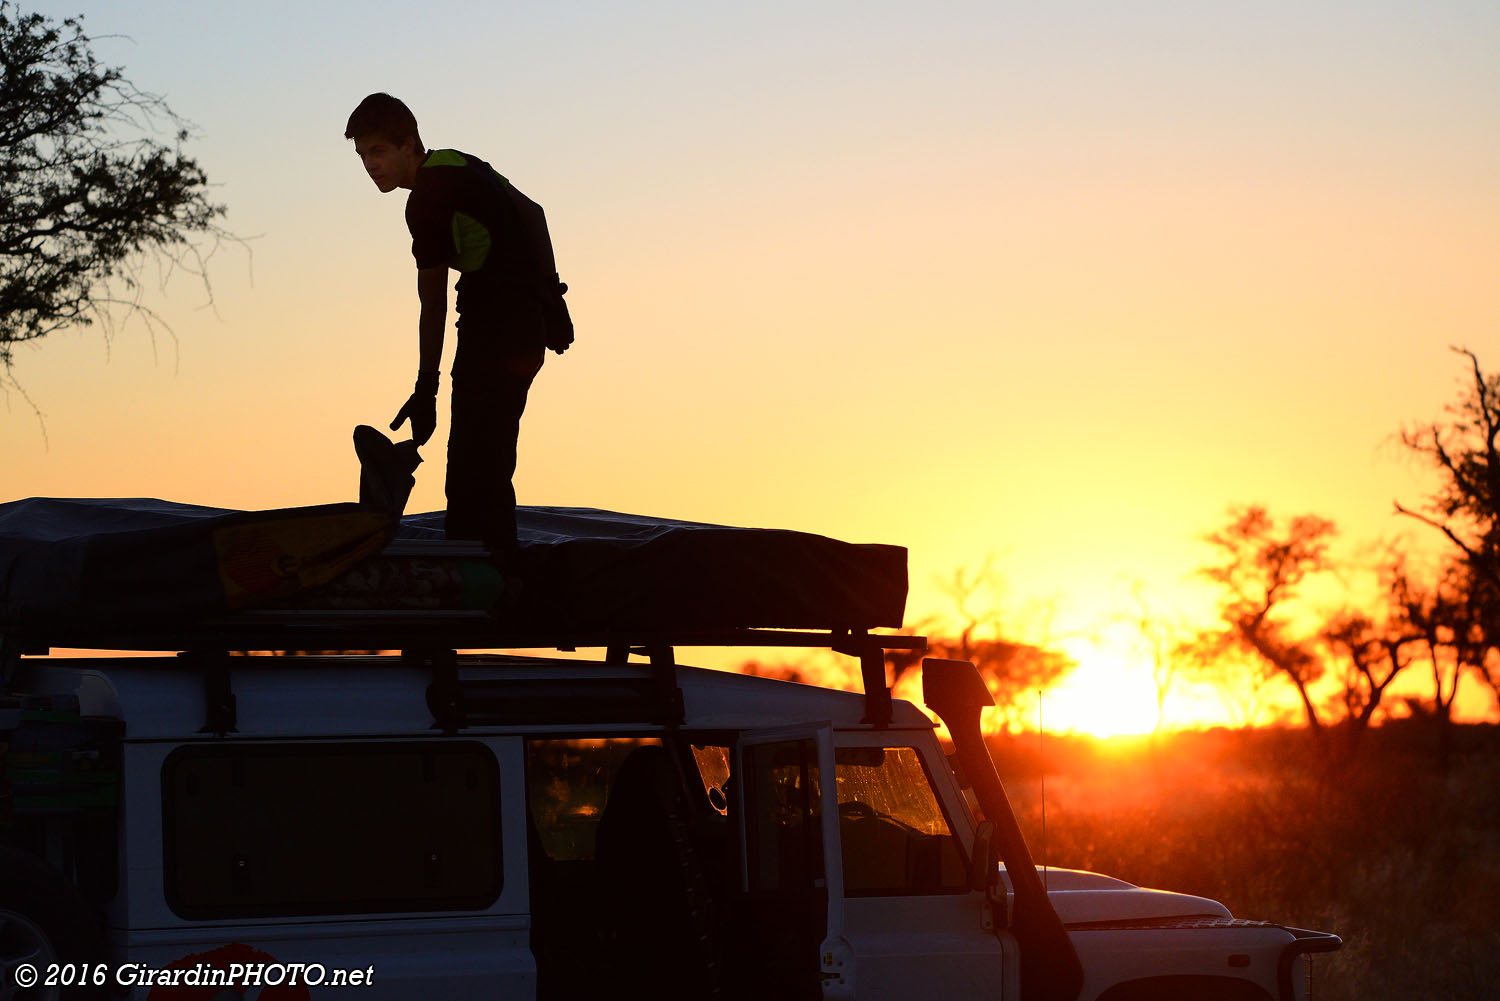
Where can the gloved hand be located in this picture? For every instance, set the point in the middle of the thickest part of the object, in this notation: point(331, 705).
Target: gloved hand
point(420, 408)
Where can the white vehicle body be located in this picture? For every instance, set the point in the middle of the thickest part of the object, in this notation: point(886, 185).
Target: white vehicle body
point(459, 830)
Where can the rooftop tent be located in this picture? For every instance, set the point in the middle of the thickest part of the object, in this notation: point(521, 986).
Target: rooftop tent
point(118, 564)
point(91, 561)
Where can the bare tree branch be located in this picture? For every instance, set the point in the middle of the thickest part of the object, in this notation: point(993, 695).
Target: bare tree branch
point(95, 184)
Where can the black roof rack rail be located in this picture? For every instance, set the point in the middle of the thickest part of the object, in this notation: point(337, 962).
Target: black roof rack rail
point(432, 639)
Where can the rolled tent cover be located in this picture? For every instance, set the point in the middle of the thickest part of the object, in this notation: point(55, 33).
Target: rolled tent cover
point(119, 563)
point(115, 562)
point(602, 569)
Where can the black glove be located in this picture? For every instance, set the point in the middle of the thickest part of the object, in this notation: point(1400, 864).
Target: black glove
point(559, 325)
point(421, 408)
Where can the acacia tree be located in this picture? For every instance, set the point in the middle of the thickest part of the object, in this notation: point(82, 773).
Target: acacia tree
point(1465, 449)
point(1458, 617)
point(1448, 622)
point(1010, 668)
point(1369, 655)
point(93, 181)
point(1260, 568)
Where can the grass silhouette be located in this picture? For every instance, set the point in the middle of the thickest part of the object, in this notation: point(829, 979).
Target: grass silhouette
point(1383, 848)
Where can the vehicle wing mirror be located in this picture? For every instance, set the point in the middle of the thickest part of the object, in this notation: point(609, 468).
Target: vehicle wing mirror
point(984, 863)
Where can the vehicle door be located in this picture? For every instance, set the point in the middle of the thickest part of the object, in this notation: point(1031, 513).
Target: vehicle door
point(917, 928)
point(786, 924)
point(401, 860)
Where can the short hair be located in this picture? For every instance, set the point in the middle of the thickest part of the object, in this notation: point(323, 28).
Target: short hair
point(385, 116)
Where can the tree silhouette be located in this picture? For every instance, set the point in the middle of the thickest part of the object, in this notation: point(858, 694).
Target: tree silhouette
point(1240, 679)
point(1458, 617)
point(1011, 669)
point(1160, 641)
point(88, 186)
point(1260, 568)
point(1489, 671)
point(1368, 656)
point(1448, 623)
point(1465, 449)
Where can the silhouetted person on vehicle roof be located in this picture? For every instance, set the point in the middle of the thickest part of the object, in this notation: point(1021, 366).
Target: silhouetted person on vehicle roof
point(463, 215)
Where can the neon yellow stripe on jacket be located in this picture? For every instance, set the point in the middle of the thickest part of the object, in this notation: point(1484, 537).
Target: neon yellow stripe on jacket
point(472, 241)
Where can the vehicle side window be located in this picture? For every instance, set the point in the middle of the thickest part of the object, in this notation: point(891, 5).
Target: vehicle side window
point(346, 828)
point(713, 767)
point(784, 848)
point(567, 785)
point(895, 837)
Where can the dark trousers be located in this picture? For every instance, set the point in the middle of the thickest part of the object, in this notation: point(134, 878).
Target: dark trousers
point(490, 383)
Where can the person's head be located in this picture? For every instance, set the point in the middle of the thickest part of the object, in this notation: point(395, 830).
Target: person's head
point(385, 136)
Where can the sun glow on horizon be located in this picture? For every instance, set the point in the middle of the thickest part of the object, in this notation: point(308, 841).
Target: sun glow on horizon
point(1104, 696)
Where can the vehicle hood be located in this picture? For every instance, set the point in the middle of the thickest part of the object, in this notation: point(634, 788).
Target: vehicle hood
point(1086, 897)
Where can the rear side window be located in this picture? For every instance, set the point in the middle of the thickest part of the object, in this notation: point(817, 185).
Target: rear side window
point(568, 785)
point(265, 830)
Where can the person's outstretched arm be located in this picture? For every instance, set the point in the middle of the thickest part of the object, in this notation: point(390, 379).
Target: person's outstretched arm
point(421, 408)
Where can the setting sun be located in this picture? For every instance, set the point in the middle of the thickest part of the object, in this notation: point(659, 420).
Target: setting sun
point(1105, 696)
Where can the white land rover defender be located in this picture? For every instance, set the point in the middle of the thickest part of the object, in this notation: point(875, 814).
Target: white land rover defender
point(434, 823)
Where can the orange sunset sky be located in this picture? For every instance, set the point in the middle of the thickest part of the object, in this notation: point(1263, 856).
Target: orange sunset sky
point(1054, 286)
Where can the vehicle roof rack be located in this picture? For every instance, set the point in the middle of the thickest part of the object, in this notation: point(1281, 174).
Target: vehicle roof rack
point(433, 639)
